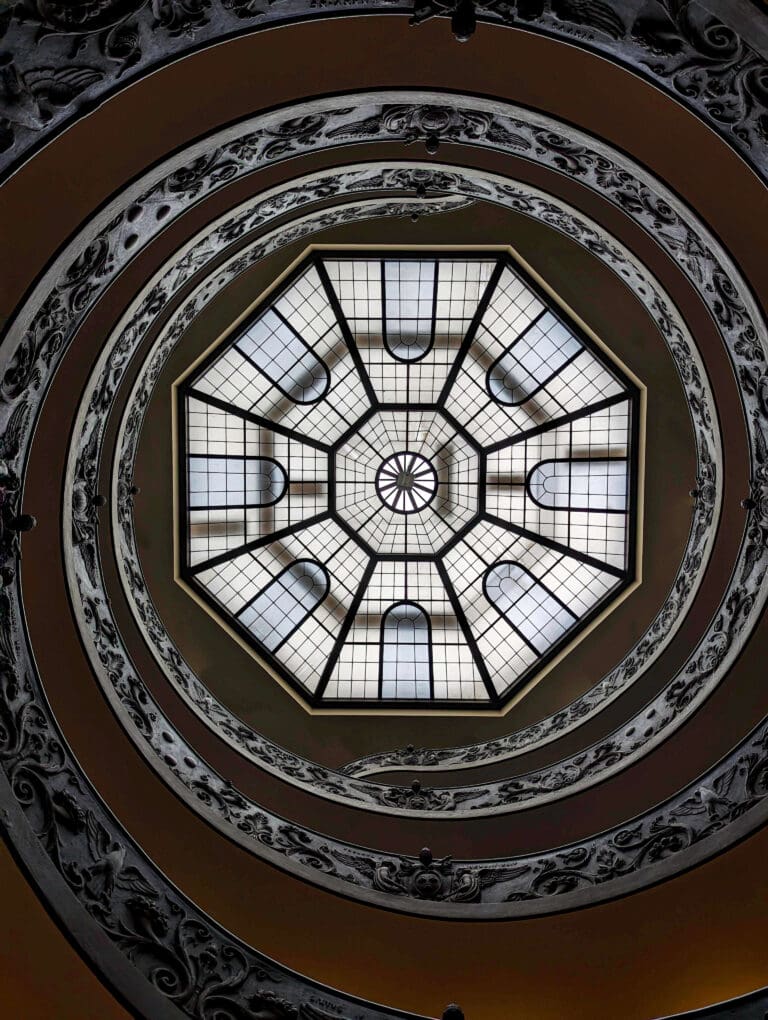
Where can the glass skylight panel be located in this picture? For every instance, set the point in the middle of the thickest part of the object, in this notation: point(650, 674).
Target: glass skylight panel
point(216, 482)
point(589, 484)
point(589, 454)
point(527, 605)
point(406, 653)
point(283, 605)
point(408, 319)
point(410, 295)
point(252, 483)
point(531, 361)
point(279, 353)
point(408, 479)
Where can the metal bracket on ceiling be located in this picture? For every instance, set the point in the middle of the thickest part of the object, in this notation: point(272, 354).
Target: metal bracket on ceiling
point(463, 15)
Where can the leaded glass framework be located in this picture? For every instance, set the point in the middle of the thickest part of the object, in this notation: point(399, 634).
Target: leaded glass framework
point(408, 479)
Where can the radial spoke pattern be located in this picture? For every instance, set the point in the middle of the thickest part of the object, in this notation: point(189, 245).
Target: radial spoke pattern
point(407, 477)
point(406, 482)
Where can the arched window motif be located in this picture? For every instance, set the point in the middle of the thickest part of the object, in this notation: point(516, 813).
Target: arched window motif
point(409, 291)
point(234, 481)
point(278, 351)
point(281, 608)
point(531, 361)
point(406, 653)
point(599, 484)
point(527, 605)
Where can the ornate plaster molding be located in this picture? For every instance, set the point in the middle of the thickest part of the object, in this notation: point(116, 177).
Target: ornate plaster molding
point(228, 808)
point(162, 954)
point(59, 61)
point(477, 799)
point(696, 822)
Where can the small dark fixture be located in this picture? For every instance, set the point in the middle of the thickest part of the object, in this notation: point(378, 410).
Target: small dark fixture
point(453, 1012)
point(24, 522)
point(464, 21)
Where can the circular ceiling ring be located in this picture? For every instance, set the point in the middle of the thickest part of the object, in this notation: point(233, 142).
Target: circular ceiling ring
point(656, 844)
point(713, 64)
point(476, 800)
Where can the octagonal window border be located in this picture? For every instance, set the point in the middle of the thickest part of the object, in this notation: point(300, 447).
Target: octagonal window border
point(497, 705)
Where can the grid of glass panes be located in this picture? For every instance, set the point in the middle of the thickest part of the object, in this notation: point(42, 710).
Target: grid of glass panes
point(507, 651)
point(259, 537)
point(213, 434)
point(514, 317)
point(595, 437)
point(285, 603)
point(240, 380)
point(441, 316)
point(406, 653)
point(358, 670)
point(594, 484)
point(235, 583)
point(429, 435)
point(528, 364)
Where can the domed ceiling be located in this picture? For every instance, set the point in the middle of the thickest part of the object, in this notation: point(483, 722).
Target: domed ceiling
point(406, 479)
point(384, 433)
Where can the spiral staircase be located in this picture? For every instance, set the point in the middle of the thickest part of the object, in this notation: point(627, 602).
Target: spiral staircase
point(191, 828)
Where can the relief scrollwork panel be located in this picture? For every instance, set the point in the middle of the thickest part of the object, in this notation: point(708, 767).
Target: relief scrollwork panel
point(192, 963)
point(472, 799)
point(58, 60)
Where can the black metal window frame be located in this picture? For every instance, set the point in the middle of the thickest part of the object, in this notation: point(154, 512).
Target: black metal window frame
point(570, 506)
point(243, 459)
point(538, 583)
point(276, 581)
point(540, 383)
point(630, 393)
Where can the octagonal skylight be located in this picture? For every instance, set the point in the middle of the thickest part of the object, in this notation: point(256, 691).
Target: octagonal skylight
point(407, 479)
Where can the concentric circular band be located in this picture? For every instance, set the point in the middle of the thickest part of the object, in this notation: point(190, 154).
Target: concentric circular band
point(484, 798)
point(747, 793)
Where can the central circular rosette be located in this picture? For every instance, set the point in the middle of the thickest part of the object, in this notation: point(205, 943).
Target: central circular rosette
point(406, 482)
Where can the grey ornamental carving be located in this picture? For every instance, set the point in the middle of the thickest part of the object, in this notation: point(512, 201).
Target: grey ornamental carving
point(492, 884)
point(475, 799)
point(241, 806)
point(59, 61)
point(724, 805)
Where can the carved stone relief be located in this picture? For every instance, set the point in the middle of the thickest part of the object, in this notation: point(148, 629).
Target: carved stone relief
point(347, 867)
point(475, 799)
point(59, 60)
